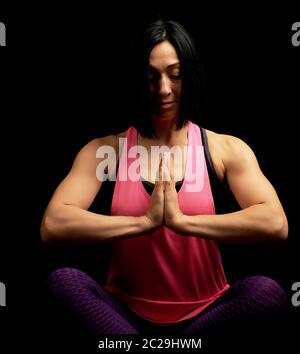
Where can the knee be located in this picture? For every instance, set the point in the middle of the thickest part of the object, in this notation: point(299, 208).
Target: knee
point(268, 292)
point(64, 279)
point(63, 275)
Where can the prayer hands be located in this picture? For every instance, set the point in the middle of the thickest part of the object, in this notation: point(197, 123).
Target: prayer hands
point(164, 207)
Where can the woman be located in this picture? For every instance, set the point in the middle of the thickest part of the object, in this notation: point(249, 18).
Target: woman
point(166, 273)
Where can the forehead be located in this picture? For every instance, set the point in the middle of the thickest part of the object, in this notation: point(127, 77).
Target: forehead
point(163, 54)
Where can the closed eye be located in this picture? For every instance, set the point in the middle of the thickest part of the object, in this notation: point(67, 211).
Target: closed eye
point(175, 77)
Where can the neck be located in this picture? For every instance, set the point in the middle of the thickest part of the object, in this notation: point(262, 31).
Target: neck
point(166, 131)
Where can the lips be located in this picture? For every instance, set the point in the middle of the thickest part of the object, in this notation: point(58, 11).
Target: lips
point(166, 103)
point(165, 106)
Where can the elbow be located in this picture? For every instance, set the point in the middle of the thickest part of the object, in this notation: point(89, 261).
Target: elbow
point(284, 230)
point(280, 229)
point(47, 229)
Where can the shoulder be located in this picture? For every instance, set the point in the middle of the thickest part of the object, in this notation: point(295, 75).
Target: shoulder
point(228, 143)
point(110, 140)
point(229, 151)
point(87, 156)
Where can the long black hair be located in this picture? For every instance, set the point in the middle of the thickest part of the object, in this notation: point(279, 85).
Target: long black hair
point(154, 33)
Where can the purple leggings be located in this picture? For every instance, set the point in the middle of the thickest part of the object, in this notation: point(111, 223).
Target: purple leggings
point(252, 298)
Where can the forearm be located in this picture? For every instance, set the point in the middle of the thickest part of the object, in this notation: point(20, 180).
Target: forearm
point(254, 224)
point(70, 223)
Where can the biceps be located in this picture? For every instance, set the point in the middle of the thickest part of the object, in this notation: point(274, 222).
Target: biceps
point(252, 188)
point(77, 191)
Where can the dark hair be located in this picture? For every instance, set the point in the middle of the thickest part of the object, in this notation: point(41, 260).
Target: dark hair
point(155, 33)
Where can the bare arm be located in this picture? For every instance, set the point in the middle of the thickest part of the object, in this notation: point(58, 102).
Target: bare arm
point(262, 217)
point(67, 218)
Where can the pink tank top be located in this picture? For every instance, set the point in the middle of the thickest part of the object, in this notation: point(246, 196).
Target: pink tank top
point(163, 276)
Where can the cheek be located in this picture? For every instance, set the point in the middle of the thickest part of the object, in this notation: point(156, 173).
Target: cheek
point(152, 90)
point(177, 90)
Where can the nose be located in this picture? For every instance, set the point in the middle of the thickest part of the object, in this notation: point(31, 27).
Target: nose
point(164, 86)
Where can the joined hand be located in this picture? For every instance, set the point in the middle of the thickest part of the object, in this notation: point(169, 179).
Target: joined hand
point(164, 207)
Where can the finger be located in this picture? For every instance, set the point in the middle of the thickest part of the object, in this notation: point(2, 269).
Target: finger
point(170, 168)
point(159, 185)
point(171, 163)
point(166, 169)
point(160, 169)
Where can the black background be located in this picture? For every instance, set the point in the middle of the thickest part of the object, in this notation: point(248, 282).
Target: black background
point(65, 78)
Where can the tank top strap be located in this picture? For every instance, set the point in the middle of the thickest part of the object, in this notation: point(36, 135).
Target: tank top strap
point(195, 138)
point(131, 136)
point(195, 161)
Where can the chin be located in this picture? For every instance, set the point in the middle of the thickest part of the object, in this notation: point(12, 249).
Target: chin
point(165, 115)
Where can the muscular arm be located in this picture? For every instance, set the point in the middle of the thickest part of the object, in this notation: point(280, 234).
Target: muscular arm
point(67, 218)
point(262, 217)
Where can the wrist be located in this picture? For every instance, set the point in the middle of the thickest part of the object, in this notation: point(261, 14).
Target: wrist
point(146, 223)
point(177, 223)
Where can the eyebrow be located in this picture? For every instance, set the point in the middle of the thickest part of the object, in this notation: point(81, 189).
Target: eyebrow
point(171, 66)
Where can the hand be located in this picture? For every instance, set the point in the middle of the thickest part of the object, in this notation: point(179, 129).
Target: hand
point(172, 213)
point(155, 213)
